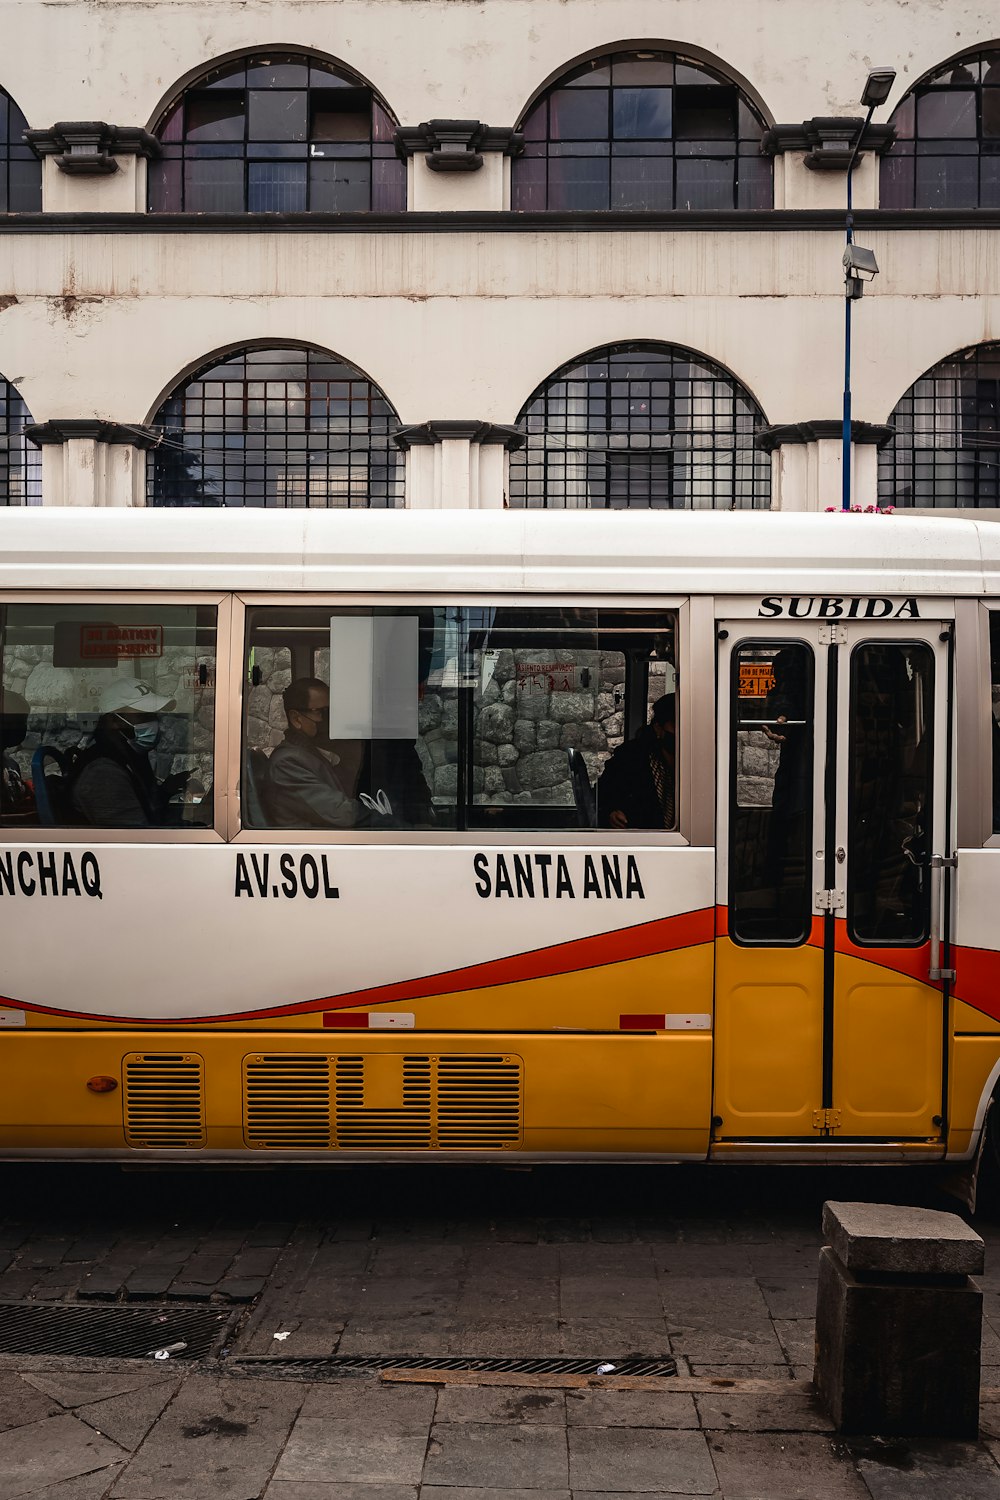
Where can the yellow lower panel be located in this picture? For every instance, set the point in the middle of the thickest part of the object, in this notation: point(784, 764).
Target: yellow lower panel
point(973, 1059)
point(887, 1066)
point(968, 1019)
point(769, 1040)
point(256, 1092)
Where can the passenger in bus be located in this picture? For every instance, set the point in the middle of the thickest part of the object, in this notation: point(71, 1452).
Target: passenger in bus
point(636, 789)
point(303, 787)
point(113, 784)
point(16, 796)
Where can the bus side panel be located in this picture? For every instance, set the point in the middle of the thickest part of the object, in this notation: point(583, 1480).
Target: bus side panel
point(261, 1092)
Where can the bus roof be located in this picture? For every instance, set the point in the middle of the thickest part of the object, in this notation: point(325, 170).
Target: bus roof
point(497, 552)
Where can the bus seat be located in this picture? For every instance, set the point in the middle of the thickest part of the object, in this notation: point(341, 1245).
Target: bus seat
point(51, 783)
point(255, 789)
point(583, 792)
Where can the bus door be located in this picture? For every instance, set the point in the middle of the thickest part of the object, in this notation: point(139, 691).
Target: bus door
point(833, 811)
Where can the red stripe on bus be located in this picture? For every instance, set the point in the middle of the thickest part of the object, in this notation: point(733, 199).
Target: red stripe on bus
point(644, 940)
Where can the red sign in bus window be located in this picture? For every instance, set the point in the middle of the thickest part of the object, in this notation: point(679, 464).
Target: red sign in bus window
point(120, 642)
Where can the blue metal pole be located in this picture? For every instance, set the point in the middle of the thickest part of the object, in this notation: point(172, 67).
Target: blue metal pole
point(845, 458)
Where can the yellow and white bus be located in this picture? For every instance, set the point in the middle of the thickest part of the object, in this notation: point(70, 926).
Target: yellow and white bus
point(535, 836)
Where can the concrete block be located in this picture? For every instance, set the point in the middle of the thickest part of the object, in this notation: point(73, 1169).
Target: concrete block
point(887, 1238)
point(896, 1357)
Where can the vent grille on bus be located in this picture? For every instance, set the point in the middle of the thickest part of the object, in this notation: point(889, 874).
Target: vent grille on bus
point(299, 1101)
point(164, 1099)
point(288, 1102)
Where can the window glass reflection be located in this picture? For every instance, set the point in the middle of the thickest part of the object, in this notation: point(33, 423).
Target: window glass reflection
point(463, 718)
point(20, 169)
point(288, 134)
point(945, 451)
point(943, 153)
point(666, 107)
point(771, 789)
point(20, 460)
point(639, 425)
point(890, 781)
point(280, 428)
point(107, 715)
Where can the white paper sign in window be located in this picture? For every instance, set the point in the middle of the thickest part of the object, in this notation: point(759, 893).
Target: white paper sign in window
point(373, 677)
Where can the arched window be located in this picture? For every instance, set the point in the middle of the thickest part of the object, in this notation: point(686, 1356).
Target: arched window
point(642, 130)
point(277, 134)
point(278, 427)
point(947, 148)
point(946, 451)
point(640, 426)
point(20, 461)
point(20, 169)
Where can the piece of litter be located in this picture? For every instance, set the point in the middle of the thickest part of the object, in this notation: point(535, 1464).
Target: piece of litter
point(280, 1336)
point(604, 1369)
point(168, 1350)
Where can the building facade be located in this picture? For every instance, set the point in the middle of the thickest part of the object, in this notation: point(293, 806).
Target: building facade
point(477, 253)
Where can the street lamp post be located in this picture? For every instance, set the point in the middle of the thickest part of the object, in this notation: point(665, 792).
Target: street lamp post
point(858, 263)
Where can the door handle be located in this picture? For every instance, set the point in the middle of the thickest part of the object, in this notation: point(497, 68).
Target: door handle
point(938, 864)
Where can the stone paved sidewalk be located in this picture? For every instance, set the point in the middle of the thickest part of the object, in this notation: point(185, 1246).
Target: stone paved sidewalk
point(715, 1267)
point(203, 1436)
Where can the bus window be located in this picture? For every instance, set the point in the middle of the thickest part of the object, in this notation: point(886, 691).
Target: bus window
point(351, 718)
point(771, 779)
point(561, 713)
point(890, 771)
point(107, 715)
point(453, 717)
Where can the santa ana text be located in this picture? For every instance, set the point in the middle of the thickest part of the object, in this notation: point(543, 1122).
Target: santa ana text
point(556, 876)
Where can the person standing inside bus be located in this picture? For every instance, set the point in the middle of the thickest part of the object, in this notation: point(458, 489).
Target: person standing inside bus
point(636, 789)
point(303, 789)
point(113, 784)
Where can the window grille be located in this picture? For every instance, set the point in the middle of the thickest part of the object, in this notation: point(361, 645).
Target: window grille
point(946, 451)
point(20, 461)
point(277, 135)
point(642, 130)
point(20, 169)
point(640, 426)
point(947, 148)
point(281, 428)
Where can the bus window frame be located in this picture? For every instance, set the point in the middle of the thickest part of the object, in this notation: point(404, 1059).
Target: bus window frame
point(974, 739)
point(221, 796)
point(680, 837)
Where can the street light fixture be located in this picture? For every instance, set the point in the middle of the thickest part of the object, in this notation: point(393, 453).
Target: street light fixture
point(859, 264)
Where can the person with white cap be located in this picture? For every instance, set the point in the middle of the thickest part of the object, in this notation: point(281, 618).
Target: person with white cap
point(113, 784)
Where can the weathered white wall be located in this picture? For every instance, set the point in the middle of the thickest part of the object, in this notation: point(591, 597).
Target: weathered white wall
point(119, 60)
point(466, 323)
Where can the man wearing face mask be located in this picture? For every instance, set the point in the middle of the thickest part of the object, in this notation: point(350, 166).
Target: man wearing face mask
point(303, 789)
point(113, 784)
point(16, 798)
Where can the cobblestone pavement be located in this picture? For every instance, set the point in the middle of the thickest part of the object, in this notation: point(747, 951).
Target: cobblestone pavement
point(716, 1266)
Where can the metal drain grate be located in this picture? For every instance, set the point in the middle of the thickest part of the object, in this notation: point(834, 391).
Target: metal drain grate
point(108, 1332)
point(333, 1364)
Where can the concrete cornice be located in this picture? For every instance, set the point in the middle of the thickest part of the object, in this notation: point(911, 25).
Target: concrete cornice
point(427, 433)
point(87, 148)
point(827, 140)
point(824, 428)
point(63, 429)
point(456, 145)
